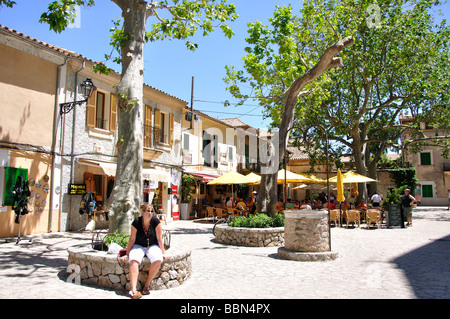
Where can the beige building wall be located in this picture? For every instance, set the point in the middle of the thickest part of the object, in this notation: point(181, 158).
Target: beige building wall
point(27, 96)
point(432, 174)
point(27, 104)
point(35, 222)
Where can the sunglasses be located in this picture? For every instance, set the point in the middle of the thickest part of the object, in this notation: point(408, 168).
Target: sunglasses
point(148, 210)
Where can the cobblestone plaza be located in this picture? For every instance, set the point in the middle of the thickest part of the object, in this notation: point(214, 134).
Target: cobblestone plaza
point(410, 263)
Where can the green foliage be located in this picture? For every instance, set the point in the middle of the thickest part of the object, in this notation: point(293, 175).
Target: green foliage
point(116, 237)
point(8, 3)
point(187, 17)
point(399, 66)
point(187, 187)
point(61, 13)
point(404, 177)
point(174, 19)
point(393, 197)
point(258, 221)
point(278, 220)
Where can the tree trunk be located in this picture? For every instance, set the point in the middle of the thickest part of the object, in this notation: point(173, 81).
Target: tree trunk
point(126, 196)
point(267, 197)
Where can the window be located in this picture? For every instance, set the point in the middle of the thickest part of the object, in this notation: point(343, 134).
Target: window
point(101, 118)
point(230, 153)
point(164, 127)
point(427, 190)
point(425, 158)
point(101, 111)
point(186, 142)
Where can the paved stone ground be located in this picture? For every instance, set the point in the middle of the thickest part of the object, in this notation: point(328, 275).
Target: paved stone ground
point(397, 263)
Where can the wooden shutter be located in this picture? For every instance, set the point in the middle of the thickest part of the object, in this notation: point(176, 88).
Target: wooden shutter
point(157, 131)
point(113, 114)
point(91, 109)
point(148, 126)
point(170, 129)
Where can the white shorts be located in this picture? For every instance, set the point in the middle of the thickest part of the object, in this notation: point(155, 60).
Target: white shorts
point(138, 252)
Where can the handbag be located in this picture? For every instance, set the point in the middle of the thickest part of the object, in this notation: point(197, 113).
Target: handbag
point(121, 253)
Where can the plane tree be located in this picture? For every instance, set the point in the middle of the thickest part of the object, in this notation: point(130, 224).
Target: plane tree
point(397, 65)
point(141, 22)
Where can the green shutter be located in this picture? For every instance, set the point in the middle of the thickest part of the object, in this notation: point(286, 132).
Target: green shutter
point(425, 158)
point(11, 175)
point(427, 190)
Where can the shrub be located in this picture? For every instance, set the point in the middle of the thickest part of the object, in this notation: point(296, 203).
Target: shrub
point(278, 220)
point(258, 221)
point(393, 197)
point(119, 239)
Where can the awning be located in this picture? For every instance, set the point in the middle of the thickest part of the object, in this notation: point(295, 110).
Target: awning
point(206, 177)
point(108, 168)
point(152, 174)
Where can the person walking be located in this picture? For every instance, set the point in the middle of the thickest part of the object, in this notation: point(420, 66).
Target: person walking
point(407, 199)
point(376, 200)
point(145, 239)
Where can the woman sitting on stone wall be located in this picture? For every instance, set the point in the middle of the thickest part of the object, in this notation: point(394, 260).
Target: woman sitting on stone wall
point(145, 239)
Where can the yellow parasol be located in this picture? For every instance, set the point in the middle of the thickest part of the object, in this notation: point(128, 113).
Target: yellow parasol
point(232, 178)
point(340, 186)
point(290, 177)
point(253, 177)
point(352, 177)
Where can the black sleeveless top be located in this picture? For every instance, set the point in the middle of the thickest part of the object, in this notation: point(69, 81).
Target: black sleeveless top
point(146, 239)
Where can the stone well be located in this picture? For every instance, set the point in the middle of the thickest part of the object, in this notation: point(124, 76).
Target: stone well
point(307, 236)
point(252, 237)
point(99, 268)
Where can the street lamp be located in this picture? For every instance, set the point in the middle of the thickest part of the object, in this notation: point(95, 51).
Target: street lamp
point(87, 87)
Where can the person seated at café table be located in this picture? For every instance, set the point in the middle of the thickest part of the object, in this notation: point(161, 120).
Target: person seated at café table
point(229, 202)
point(305, 205)
point(249, 203)
point(289, 204)
point(240, 203)
point(332, 205)
point(318, 204)
point(362, 205)
point(280, 205)
point(345, 206)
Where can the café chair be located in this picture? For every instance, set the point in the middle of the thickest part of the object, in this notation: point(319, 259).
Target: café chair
point(210, 212)
point(353, 217)
point(373, 216)
point(335, 217)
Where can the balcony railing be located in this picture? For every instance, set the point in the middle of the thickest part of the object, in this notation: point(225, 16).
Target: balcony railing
point(154, 137)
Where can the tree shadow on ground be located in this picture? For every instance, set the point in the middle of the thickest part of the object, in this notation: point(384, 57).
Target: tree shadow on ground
point(427, 269)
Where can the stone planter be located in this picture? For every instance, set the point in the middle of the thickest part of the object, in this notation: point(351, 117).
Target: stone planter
point(98, 268)
point(252, 237)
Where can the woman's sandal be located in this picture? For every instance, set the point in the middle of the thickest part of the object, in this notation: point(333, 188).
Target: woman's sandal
point(145, 291)
point(135, 294)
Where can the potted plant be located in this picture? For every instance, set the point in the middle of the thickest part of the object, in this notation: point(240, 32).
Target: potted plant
point(392, 205)
point(187, 190)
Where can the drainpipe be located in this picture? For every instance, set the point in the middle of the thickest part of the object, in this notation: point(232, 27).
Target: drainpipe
point(54, 140)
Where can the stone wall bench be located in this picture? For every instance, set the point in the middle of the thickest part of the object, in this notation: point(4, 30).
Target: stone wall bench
point(98, 268)
point(252, 237)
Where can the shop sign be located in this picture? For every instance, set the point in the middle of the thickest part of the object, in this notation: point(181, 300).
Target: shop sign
point(174, 189)
point(76, 189)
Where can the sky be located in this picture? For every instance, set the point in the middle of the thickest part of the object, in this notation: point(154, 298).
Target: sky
point(169, 66)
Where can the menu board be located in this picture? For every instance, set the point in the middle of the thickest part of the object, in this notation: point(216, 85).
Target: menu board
point(395, 215)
